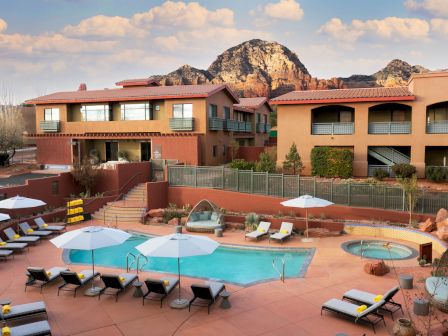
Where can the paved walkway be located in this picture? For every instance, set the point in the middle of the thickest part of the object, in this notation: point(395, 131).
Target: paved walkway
point(272, 308)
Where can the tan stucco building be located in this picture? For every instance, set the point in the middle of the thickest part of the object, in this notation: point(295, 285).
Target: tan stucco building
point(383, 126)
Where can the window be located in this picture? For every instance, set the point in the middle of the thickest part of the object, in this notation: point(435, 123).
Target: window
point(226, 112)
point(258, 117)
point(213, 111)
point(345, 116)
point(215, 149)
point(265, 118)
point(183, 111)
point(136, 111)
point(55, 187)
point(96, 113)
point(51, 114)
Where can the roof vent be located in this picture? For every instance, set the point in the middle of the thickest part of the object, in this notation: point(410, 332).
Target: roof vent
point(82, 87)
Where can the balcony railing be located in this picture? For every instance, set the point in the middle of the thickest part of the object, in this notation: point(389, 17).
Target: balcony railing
point(437, 127)
point(231, 125)
point(216, 124)
point(261, 127)
point(395, 127)
point(50, 126)
point(387, 169)
point(182, 124)
point(333, 128)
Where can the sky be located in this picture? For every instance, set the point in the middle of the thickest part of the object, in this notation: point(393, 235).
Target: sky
point(54, 45)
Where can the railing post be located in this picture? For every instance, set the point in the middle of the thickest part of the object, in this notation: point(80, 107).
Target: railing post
point(331, 191)
point(349, 193)
point(223, 178)
point(251, 181)
point(332, 128)
point(195, 177)
point(298, 185)
point(267, 183)
point(384, 197)
point(237, 180)
point(314, 186)
point(283, 185)
point(404, 199)
point(423, 200)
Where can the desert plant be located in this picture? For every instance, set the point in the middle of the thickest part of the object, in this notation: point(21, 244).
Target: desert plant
point(123, 155)
point(242, 164)
point(170, 214)
point(411, 193)
point(187, 207)
point(172, 205)
point(293, 162)
point(380, 174)
point(251, 221)
point(85, 174)
point(94, 156)
point(436, 174)
point(265, 163)
point(403, 170)
point(331, 162)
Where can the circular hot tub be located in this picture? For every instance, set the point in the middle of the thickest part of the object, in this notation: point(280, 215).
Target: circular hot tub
point(379, 249)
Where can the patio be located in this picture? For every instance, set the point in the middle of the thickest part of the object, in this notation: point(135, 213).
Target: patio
point(272, 308)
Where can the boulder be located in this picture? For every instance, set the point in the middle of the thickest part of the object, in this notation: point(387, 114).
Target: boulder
point(442, 214)
point(442, 224)
point(428, 226)
point(155, 220)
point(376, 267)
point(442, 233)
point(155, 213)
point(173, 221)
point(321, 233)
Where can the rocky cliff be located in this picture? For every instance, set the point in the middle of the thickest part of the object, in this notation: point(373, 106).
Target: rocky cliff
point(262, 68)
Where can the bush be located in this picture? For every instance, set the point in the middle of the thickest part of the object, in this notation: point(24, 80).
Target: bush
point(170, 214)
point(265, 164)
point(251, 221)
point(403, 170)
point(436, 174)
point(380, 174)
point(331, 162)
point(122, 154)
point(242, 164)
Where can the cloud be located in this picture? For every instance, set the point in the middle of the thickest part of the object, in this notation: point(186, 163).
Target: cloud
point(284, 10)
point(3, 25)
point(390, 28)
point(104, 26)
point(438, 8)
point(440, 26)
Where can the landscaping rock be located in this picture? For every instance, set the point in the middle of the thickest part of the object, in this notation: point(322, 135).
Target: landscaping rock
point(442, 233)
point(376, 267)
point(234, 226)
point(442, 224)
point(173, 221)
point(155, 220)
point(442, 215)
point(428, 226)
point(156, 213)
point(183, 220)
point(321, 233)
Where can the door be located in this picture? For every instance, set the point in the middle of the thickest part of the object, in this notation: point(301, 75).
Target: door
point(111, 151)
point(145, 151)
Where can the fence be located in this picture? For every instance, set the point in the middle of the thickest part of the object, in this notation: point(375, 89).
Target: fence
point(158, 168)
point(288, 186)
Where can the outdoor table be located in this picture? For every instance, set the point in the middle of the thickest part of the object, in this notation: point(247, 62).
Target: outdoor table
point(4, 302)
point(225, 303)
point(218, 232)
point(138, 289)
point(406, 281)
point(421, 307)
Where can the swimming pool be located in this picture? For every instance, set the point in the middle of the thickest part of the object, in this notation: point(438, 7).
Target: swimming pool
point(231, 264)
point(379, 249)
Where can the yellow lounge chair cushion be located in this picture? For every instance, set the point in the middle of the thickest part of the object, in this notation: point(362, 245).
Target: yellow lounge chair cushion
point(16, 236)
point(122, 279)
point(2, 243)
point(49, 274)
point(29, 231)
point(284, 231)
point(261, 230)
point(166, 282)
point(6, 309)
point(360, 309)
point(81, 276)
point(44, 225)
point(378, 298)
point(6, 331)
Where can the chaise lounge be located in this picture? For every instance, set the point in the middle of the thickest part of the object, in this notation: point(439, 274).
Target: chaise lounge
point(284, 232)
point(39, 277)
point(116, 283)
point(75, 280)
point(261, 231)
point(204, 217)
point(204, 295)
point(44, 226)
point(13, 237)
point(23, 310)
point(19, 247)
point(159, 289)
point(28, 231)
point(40, 328)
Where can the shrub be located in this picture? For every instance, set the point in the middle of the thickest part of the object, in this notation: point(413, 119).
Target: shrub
point(404, 170)
point(436, 174)
point(124, 155)
point(170, 214)
point(265, 164)
point(293, 162)
point(242, 164)
point(331, 162)
point(380, 174)
point(251, 221)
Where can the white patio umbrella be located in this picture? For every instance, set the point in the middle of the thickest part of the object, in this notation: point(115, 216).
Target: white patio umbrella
point(306, 202)
point(91, 238)
point(4, 217)
point(178, 245)
point(19, 202)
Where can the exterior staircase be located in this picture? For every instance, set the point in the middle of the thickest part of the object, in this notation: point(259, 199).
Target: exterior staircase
point(129, 210)
point(388, 155)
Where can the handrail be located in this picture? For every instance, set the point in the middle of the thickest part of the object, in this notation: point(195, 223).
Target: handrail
point(282, 273)
point(139, 268)
point(128, 266)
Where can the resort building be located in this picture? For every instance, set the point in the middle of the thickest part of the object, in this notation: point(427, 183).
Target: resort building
point(193, 124)
point(382, 126)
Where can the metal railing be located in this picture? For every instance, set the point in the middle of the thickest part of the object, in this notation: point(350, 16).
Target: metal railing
point(50, 126)
point(386, 168)
point(395, 127)
point(261, 127)
point(231, 125)
point(437, 127)
point(333, 128)
point(182, 124)
point(341, 192)
point(216, 124)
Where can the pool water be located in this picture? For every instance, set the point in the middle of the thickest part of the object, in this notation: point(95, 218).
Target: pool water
point(375, 249)
point(227, 264)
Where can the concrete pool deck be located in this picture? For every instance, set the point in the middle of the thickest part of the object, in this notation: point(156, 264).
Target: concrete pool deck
point(271, 308)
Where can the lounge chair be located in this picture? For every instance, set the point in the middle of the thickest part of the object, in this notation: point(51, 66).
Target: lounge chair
point(350, 310)
point(159, 289)
point(206, 294)
point(19, 247)
point(44, 226)
point(362, 297)
point(262, 230)
point(31, 329)
point(116, 283)
point(28, 231)
point(75, 280)
point(39, 277)
point(284, 232)
point(13, 237)
point(23, 310)
point(4, 254)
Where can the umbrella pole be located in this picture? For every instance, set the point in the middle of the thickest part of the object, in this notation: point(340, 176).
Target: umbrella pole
point(178, 273)
point(93, 262)
point(306, 220)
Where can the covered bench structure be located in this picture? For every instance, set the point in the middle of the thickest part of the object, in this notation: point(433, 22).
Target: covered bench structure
point(204, 217)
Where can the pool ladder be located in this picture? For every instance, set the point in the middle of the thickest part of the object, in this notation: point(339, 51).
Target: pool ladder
point(282, 272)
point(132, 259)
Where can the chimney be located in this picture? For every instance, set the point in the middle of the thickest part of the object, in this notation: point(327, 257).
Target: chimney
point(82, 87)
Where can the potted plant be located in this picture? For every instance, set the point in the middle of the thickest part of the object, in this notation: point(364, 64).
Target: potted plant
point(403, 327)
point(123, 155)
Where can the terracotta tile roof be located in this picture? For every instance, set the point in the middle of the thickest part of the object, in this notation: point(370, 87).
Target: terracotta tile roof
point(134, 93)
point(344, 95)
point(138, 82)
point(251, 104)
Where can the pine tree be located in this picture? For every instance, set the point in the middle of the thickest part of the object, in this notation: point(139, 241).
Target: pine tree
point(293, 161)
point(265, 164)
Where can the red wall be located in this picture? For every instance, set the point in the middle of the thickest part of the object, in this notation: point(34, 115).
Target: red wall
point(157, 195)
point(54, 150)
point(250, 153)
point(186, 149)
point(240, 202)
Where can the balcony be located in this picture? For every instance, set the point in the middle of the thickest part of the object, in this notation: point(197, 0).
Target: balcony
point(50, 126)
point(216, 124)
point(395, 127)
point(231, 125)
point(261, 127)
point(338, 128)
point(244, 126)
point(182, 124)
point(437, 127)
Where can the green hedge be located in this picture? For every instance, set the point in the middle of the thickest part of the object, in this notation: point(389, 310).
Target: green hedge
point(331, 162)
